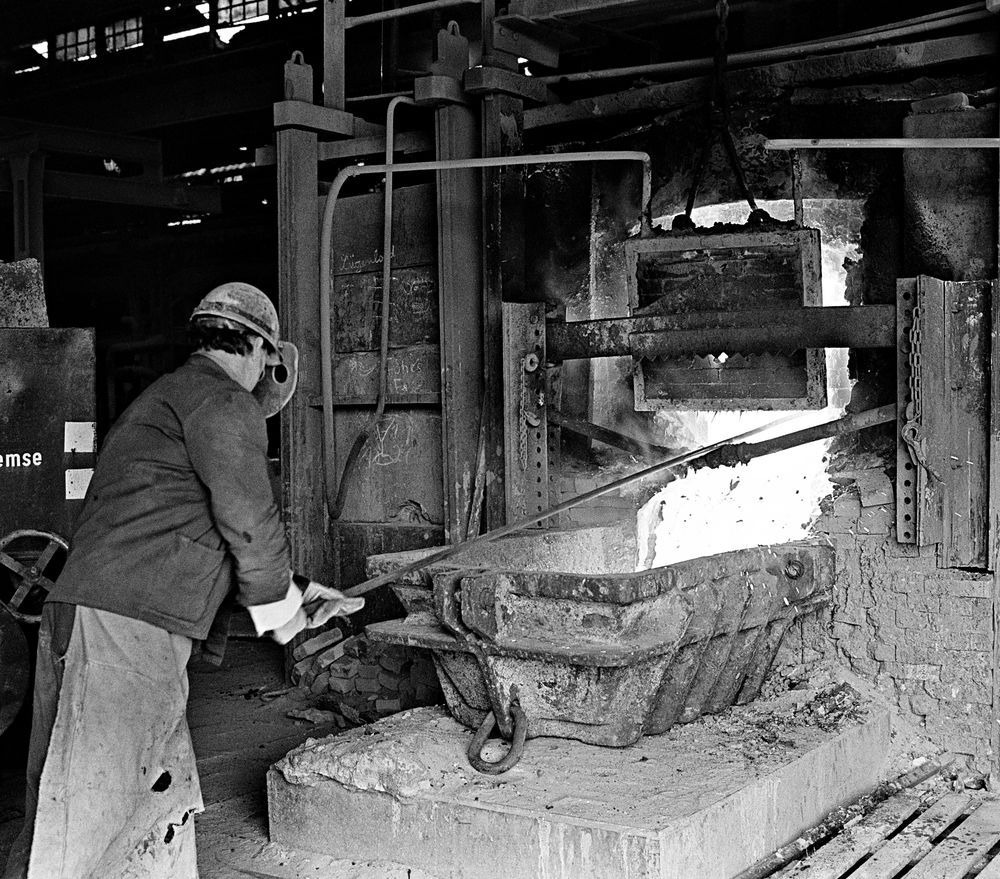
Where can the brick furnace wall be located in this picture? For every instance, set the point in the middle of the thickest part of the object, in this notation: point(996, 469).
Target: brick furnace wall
point(922, 635)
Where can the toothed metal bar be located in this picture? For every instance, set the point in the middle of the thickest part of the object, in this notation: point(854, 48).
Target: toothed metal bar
point(751, 331)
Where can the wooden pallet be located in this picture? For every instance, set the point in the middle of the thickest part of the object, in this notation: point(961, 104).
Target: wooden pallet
point(950, 835)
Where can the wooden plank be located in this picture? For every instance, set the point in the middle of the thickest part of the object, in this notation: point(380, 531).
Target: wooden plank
point(413, 309)
point(966, 519)
point(358, 231)
point(914, 840)
point(956, 853)
point(413, 373)
point(398, 475)
point(853, 844)
point(991, 870)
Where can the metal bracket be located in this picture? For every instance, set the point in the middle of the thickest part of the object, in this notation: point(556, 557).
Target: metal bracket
point(312, 117)
point(906, 474)
point(525, 38)
point(435, 90)
point(526, 447)
point(486, 80)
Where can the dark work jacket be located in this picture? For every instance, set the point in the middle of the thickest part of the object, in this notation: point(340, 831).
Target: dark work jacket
point(180, 509)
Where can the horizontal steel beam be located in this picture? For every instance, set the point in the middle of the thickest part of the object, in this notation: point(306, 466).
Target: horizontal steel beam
point(757, 330)
point(124, 190)
point(883, 143)
point(85, 142)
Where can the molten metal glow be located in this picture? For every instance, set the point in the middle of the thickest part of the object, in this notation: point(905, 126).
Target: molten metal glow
point(773, 499)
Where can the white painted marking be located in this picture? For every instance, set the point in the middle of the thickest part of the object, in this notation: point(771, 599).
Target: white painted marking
point(77, 482)
point(80, 436)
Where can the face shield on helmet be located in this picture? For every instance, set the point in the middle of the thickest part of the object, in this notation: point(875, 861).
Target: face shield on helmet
point(243, 306)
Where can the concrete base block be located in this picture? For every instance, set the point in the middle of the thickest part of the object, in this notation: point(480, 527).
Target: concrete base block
point(704, 800)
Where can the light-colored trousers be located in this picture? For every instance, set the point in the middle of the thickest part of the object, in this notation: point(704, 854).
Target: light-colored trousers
point(112, 784)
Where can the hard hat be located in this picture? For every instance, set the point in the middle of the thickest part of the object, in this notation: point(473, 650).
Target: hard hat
point(241, 304)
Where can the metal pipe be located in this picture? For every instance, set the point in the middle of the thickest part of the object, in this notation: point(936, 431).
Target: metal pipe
point(415, 9)
point(381, 96)
point(757, 56)
point(742, 453)
point(883, 143)
point(326, 234)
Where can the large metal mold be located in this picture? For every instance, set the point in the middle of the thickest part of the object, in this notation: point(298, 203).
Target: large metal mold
point(606, 658)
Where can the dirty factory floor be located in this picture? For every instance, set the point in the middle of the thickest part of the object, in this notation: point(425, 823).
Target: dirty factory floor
point(239, 718)
point(240, 725)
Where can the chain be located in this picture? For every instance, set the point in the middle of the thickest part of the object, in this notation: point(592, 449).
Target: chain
point(719, 121)
point(914, 358)
point(721, 34)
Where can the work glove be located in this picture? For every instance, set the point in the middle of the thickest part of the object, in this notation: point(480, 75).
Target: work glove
point(322, 603)
point(283, 634)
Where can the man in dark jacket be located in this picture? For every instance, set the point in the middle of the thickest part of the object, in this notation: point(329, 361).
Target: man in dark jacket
point(179, 516)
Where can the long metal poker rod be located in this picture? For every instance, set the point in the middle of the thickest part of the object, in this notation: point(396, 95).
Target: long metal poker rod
point(535, 518)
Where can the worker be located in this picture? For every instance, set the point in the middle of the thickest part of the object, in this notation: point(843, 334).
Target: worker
point(178, 518)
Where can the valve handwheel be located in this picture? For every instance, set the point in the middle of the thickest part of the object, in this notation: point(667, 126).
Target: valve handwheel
point(31, 559)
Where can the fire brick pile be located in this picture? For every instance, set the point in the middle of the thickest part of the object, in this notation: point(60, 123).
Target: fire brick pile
point(362, 680)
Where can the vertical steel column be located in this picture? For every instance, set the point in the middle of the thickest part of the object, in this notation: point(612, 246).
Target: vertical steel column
point(333, 54)
point(27, 171)
point(503, 266)
point(298, 303)
point(460, 298)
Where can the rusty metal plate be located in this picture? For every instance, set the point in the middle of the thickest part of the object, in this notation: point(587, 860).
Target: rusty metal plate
point(708, 271)
point(47, 426)
point(946, 428)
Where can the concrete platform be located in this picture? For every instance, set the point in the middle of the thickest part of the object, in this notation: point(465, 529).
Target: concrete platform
point(703, 801)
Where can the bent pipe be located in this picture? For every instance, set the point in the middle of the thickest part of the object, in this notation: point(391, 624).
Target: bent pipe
point(389, 169)
point(350, 464)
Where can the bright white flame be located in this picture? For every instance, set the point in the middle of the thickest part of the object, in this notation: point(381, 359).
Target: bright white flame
point(225, 34)
point(41, 48)
point(180, 35)
point(775, 498)
point(203, 8)
point(27, 70)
